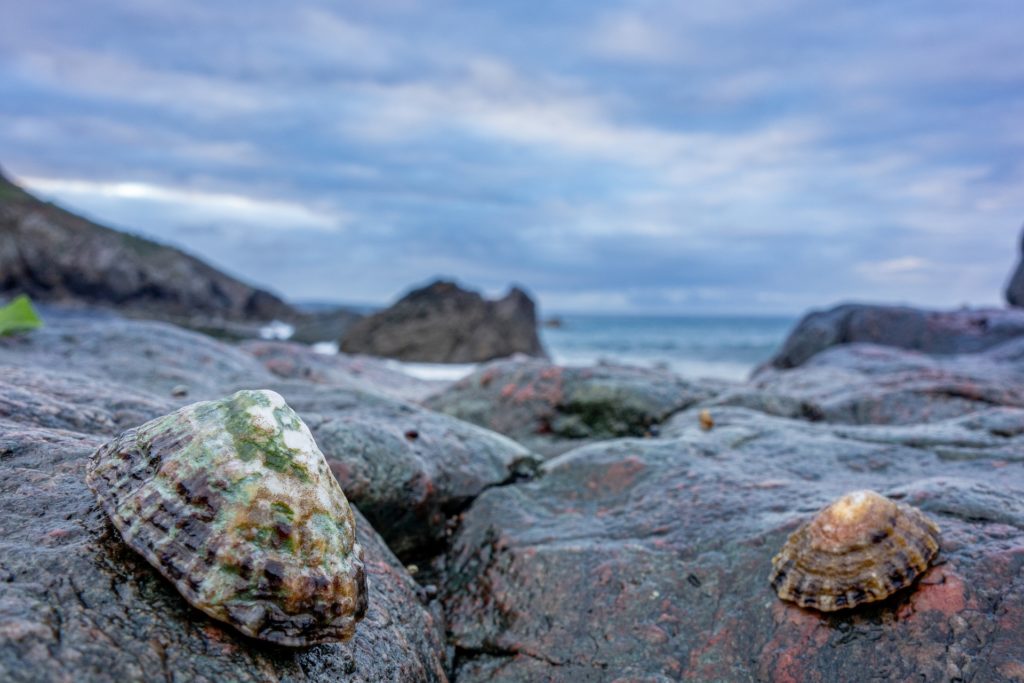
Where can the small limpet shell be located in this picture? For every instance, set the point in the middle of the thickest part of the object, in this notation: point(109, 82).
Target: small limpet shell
point(862, 548)
point(233, 502)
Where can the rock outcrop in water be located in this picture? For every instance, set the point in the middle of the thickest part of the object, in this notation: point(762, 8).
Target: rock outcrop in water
point(1015, 287)
point(932, 332)
point(443, 323)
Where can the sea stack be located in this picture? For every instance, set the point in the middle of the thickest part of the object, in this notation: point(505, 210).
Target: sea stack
point(1015, 287)
point(444, 323)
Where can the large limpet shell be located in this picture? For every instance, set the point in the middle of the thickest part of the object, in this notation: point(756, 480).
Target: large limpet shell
point(862, 548)
point(233, 502)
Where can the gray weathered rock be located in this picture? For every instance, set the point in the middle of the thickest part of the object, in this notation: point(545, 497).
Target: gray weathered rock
point(407, 468)
point(152, 357)
point(443, 323)
point(62, 400)
point(633, 559)
point(870, 384)
point(932, 332)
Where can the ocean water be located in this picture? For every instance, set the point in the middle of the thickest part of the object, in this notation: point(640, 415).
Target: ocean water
point(726, 347)
point(694, 346)
point(723, 347)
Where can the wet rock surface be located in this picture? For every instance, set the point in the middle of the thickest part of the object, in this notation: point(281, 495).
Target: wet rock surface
point(643, 558)
point(407, 467)
point(932, 332)
point(77, 604)
point(553, 408)
point(648, 559)
point(67, 400)
point(153, 357)
point(444, 323)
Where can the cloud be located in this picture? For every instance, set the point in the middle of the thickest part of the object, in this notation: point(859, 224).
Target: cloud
point(107, 76)
point(632, 38)
point(493, 100)
point(643, 153)
point(70, 128)
point(192, 205)
point(345, 42)
point(888, 270)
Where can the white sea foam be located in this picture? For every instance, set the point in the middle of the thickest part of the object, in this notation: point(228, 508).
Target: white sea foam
point(326, 348)
point(448, 372)
point(277, 330)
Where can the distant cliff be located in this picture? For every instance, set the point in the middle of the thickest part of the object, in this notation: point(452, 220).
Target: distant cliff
point(54, 255)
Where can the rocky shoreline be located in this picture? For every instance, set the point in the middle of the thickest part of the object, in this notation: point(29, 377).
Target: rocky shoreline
point(536, 522)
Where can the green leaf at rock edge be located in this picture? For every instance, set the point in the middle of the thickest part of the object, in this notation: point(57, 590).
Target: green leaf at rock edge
point(19, 316)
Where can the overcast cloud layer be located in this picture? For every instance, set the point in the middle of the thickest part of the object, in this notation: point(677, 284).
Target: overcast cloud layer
point(655, 156)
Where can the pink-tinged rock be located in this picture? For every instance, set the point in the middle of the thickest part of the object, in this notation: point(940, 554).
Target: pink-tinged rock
point(648, 559)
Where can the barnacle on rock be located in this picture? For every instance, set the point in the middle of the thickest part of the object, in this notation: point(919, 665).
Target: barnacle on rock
point(233, 502)
point(862, 548)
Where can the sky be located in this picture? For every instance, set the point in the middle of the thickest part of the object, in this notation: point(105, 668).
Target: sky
point(643, 156)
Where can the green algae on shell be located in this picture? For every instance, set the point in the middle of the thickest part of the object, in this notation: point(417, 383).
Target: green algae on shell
point(232, 501)
point(861, 548)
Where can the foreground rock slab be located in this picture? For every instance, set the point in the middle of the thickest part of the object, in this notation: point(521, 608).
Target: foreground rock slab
point(76, 604)
point(648, 559)
point(552, 408)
